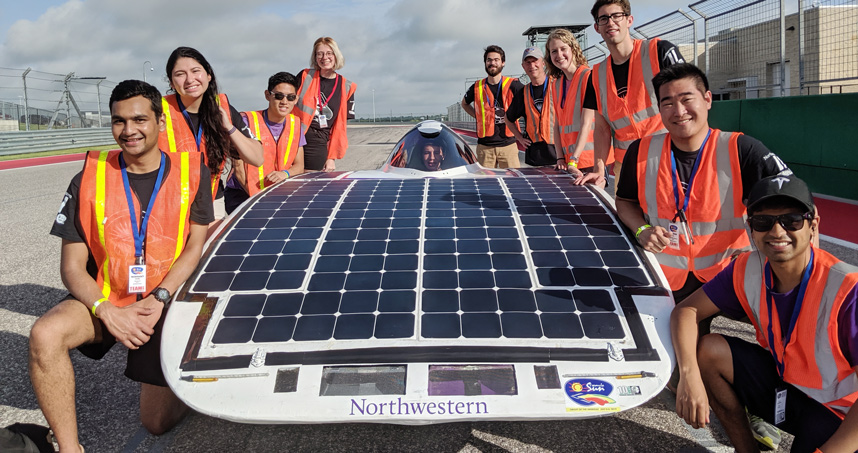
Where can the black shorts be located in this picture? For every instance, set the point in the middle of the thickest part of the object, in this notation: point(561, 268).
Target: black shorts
point(756, 381)
point(233, 198)
point(316, 149)
point(144, 363)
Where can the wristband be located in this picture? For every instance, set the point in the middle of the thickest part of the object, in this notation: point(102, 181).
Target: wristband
point(231, 131)
point(287, 174)
point(573, 164)
point(641, 230)
point(96, 304)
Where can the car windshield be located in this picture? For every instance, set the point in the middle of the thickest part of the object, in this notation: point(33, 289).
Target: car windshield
point(431, 148)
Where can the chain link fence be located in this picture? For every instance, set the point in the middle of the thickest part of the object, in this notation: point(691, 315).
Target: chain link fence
point(763, 48)
point(36, 100)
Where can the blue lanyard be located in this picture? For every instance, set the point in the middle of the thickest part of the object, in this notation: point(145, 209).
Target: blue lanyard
point(770, 302)
point(198, 135)
point(680, 212)
point(140, 233)
point(544, 90)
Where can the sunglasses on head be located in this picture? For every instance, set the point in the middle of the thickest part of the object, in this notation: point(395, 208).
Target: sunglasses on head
point(280, 96)
point(789, 222)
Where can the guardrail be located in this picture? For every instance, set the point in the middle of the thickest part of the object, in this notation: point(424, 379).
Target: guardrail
point(20, 142)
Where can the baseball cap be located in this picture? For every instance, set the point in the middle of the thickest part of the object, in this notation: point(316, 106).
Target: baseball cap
point(789, 186)
point(532, 52)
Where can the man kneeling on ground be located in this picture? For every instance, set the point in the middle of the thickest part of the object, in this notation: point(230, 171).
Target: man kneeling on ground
point(130, 237)
point(802, 303)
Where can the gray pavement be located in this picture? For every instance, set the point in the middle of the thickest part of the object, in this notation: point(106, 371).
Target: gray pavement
point(108, 402)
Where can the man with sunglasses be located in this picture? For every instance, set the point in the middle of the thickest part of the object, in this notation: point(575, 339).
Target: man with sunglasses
point(623, 101)
point(803, 304)
point(282, 136)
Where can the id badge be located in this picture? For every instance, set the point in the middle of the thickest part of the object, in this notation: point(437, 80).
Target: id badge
point(675, 230)
point(323, 121)
point(780, 405)
point(137, 278)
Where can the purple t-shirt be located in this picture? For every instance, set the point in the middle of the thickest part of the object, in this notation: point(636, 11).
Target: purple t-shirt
point(720, 291)
point(276, 129)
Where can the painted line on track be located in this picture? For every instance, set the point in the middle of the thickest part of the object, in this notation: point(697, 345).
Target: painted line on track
point(36, 161)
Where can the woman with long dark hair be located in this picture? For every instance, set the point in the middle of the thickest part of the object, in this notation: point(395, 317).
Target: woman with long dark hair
point(325, 104)
point(200, 119)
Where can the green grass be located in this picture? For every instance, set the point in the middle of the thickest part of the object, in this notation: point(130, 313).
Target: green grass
point(58, 152)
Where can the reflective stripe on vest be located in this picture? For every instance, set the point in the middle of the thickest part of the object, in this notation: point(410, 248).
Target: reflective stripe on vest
point(569, 118)
point(103, 215)
point(484, 105)
point(716, 215)
point(819, 370)
point(540, 125)
point(177, 135)
point(278, 154)
point(636, 115)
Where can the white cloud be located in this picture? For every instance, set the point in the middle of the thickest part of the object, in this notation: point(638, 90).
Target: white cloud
point(415, 54)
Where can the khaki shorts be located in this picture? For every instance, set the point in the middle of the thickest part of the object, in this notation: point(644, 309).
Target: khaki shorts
point(498, 156)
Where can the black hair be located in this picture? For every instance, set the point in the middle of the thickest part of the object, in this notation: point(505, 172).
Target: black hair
point(678, 72)
point(624, 4)
point(283, 77)
point(128, 89)
point(217, 139)
point(495, 49)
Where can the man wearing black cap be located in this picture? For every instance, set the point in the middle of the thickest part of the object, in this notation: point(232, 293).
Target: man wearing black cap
point(802, 303)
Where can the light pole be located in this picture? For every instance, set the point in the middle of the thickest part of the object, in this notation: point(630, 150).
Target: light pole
point(147, 64)
point(373, 106)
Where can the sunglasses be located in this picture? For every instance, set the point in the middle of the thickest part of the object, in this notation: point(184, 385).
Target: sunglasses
point(280, 96)
point(789, 222)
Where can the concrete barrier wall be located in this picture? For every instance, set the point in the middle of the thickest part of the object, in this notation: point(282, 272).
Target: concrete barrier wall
point(817, 136)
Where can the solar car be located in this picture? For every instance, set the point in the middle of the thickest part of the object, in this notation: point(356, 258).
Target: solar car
point(429, 290)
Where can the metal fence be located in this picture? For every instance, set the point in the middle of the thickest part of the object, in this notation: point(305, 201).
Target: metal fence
point(763, 48)
point(52, 101)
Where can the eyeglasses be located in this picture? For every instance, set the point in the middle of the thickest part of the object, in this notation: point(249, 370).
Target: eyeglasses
point(280, 96)
point(324, 54)
point(789, 222)
point(616, 17)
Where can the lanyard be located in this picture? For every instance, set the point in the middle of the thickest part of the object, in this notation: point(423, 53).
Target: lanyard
point(328, 99)
point(680, 212)
point(140, 233)
point(498, 95)
point(779, 361)
point(198, 134)
point(544, 90)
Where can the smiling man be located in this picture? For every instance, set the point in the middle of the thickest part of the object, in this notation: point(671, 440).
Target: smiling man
point(124, 252)
point(682, 192)
point(802, 302)
point(536, 104)
point(492, 97)
point(282, 136)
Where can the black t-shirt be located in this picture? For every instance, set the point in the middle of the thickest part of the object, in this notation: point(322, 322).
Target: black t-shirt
point(332, 97)
point(143, 184)
point(499, 138)
point(668, 55)
point(755, 163)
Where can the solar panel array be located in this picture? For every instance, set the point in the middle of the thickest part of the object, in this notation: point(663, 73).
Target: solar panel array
point(481, 258)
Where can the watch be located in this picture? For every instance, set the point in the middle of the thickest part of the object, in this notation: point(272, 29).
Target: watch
point(161, 294)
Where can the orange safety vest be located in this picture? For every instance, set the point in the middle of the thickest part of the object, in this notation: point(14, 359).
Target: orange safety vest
point(484, 105)
point(716, 215)
point(813, 360)
point(305, 110)
point(636, 115)
point(105, 219)
point(569, 117)
point(540, 125)
point(279, 154)
point(177, 135)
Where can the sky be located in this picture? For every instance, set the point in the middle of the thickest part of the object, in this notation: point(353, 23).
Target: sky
point(411, 56)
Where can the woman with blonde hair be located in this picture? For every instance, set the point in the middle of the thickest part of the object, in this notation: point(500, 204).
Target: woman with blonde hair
point(325, 104)
point(573, 125)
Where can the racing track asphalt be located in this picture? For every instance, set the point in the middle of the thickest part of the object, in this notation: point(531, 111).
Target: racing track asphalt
point(108, 402)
